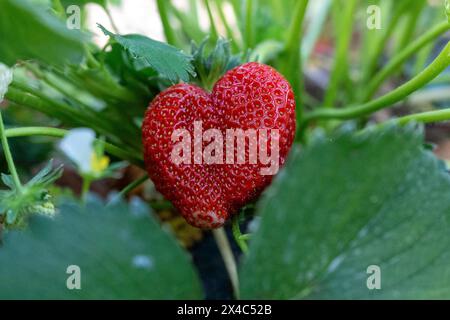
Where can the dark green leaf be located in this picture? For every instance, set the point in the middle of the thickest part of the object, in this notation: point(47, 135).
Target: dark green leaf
point(28, 31)
point(122, 252)
point(348, 203)
point(168, 61)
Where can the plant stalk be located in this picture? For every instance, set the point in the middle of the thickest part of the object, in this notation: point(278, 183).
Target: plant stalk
point(238, 236)
point(249, 25)
point(136, 183)
point(228, 258)
point(168, 32)
point(85, 188)
point(402, 56)
point(426, 117)
point(60, 133)
point(8, 156)
point(340, 67)
point(441, 62)
point(214, 33)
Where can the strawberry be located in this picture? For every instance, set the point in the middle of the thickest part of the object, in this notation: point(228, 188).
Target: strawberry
point(250, 96)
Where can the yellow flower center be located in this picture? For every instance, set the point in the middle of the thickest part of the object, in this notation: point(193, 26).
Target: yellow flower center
point(99, 163)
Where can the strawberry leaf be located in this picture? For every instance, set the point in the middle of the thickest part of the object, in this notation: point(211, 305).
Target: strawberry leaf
point(30, 32)
point(32, 199)
point(346, 204)
point(167, 60)
point(121, 251)
point(212, 65)
point(8, 181)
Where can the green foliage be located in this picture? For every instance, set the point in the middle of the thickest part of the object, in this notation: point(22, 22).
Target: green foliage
point(447, 9)
point(148, 53)
point(16, 205)
point(210, 65)
point(343, 202)
point(358, 199)
point(30, 32)
point(121, 250)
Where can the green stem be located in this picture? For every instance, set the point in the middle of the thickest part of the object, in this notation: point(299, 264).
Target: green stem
point(340, 66)
point(163, 14)
point(85, 188)
point(402, 56)
point(129, 188)
point(409, 27)
point(90, 59)
point(238, 236)
point(295, 28)
point(426, 117)
point(56, 84)
point(58, 8)
point(102, 86)
point(21, 97)
point(104, 124)
point(441, 62)
point(249, 25)
point(228, 258)
point(190, 24)
point(56, 107)
point(213, 29)
point(315, 27)
point(422, 58)
point(8, 156)
point(193, 12)
point(291, 64)
point(24, 95)
point(230, 33)
point(160, 205)
point(245, 237)
point(380, 45)
point(132, 186)
point(60, 133)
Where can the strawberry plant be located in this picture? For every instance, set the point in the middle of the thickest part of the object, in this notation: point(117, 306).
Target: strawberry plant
point(344, 100)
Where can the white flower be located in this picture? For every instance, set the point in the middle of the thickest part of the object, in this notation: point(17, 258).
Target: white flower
point(78, 145)
point(6, 77)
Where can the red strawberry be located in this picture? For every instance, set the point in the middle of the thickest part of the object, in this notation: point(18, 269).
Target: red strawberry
point(250, 96)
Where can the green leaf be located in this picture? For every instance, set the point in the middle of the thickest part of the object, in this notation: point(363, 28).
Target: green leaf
point(8, 181)
point(121, 251)
point(32, 199)
point(42, 173)
point(211, 64)
point(28, 31)
point(344, 204)
point(168, 61)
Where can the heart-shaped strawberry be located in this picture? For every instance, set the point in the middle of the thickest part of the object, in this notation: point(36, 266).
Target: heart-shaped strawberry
point(211, 153)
